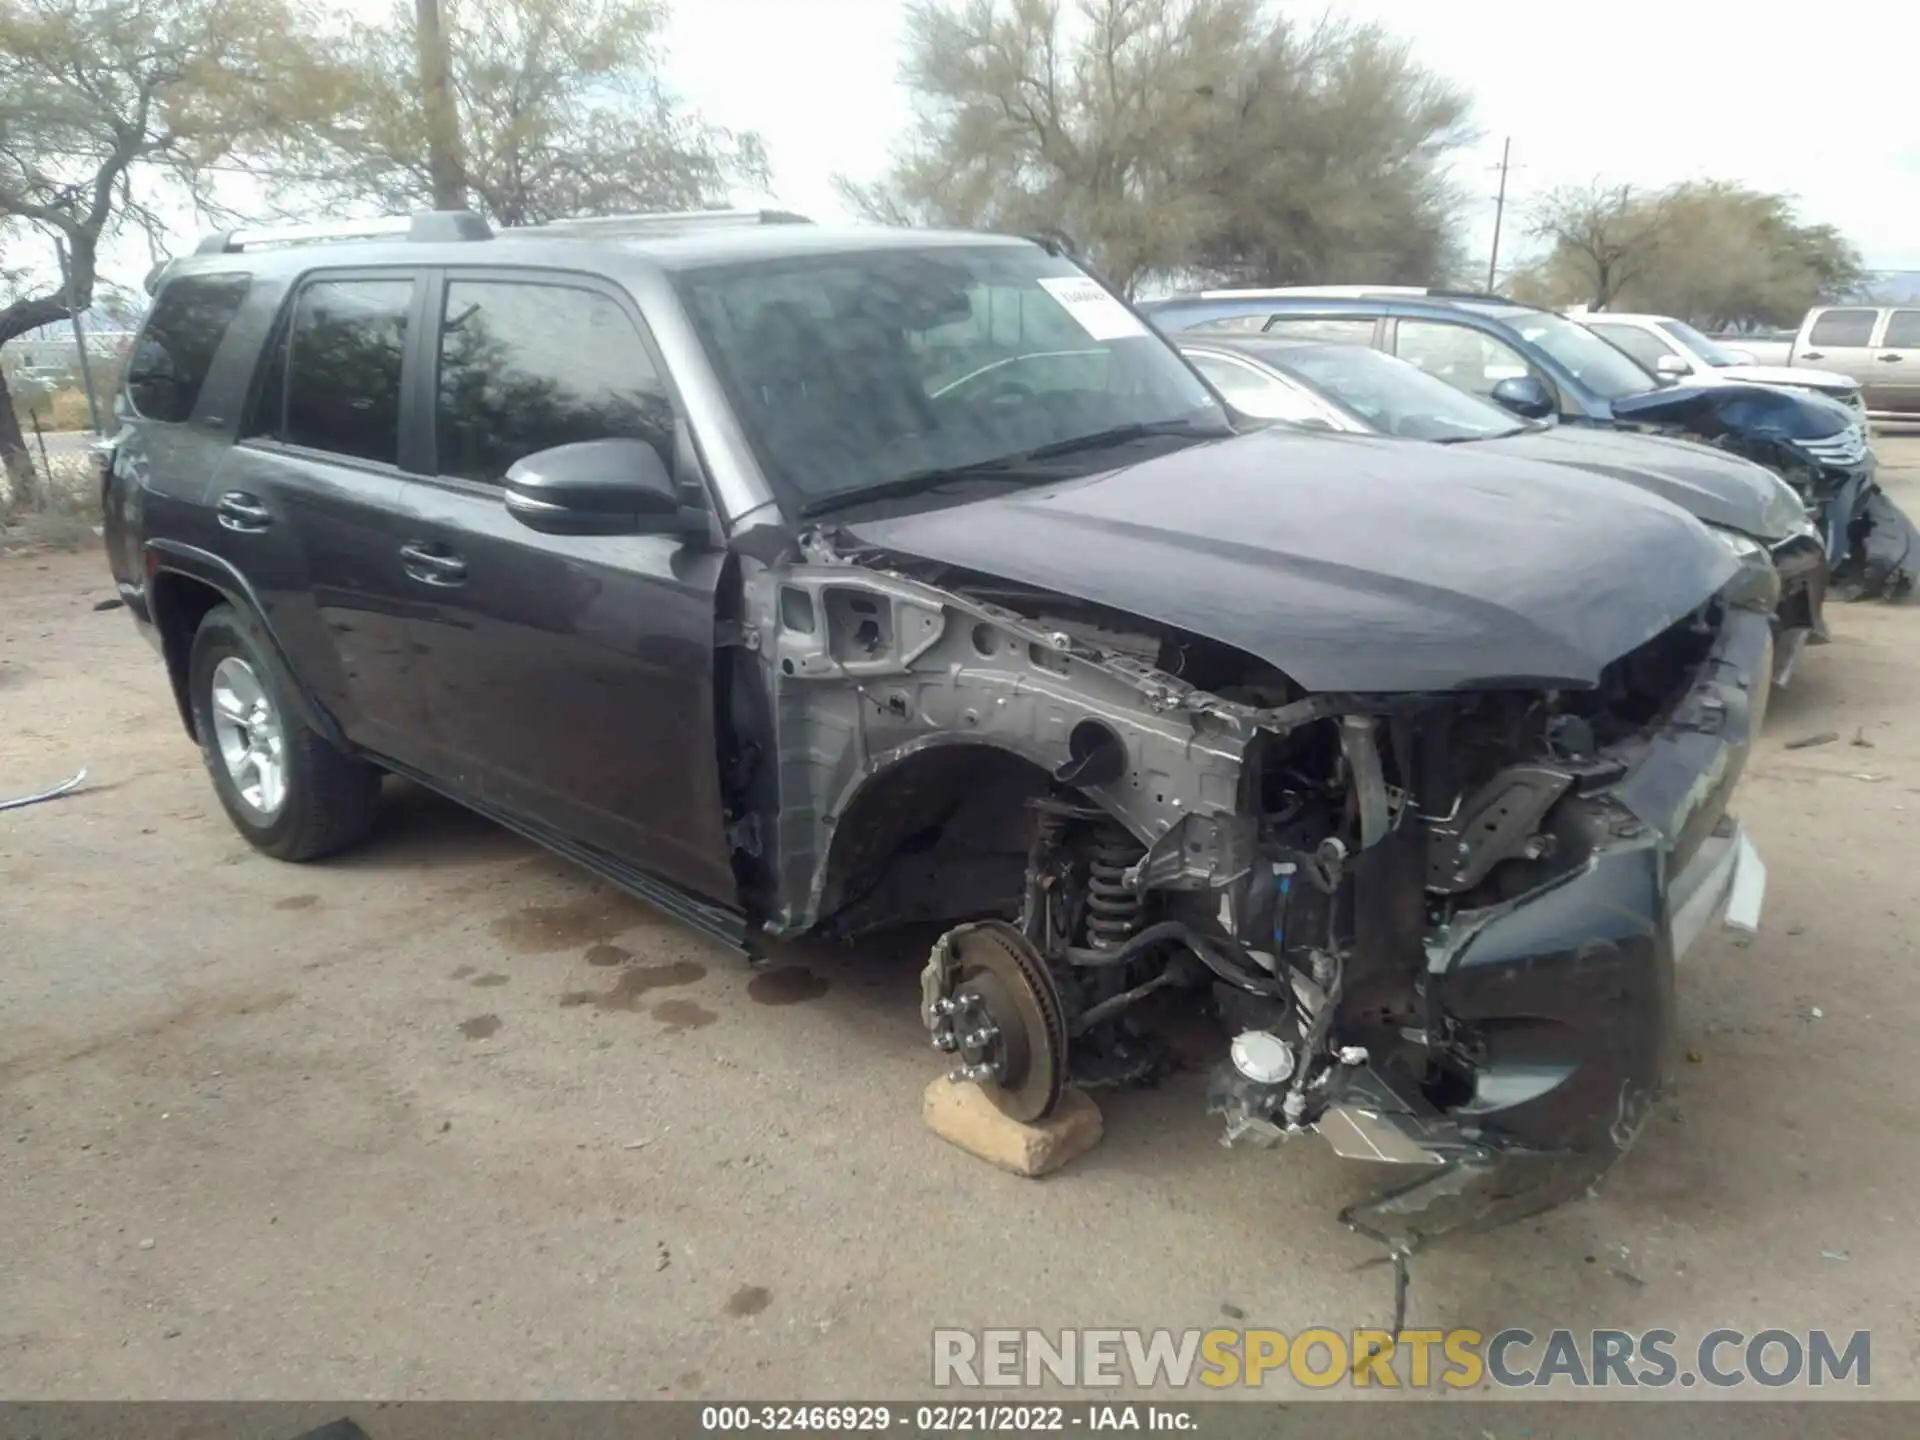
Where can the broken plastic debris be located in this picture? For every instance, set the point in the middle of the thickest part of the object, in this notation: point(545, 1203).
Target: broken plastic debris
point(1835, 1255)
point(65, 787)
point(1807, 742)
point(1817, 1013)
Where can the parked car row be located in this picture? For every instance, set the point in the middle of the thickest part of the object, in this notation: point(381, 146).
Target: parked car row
point(810, 581)
point(1544, 366)
point(1877, 347)
point(1673, 350)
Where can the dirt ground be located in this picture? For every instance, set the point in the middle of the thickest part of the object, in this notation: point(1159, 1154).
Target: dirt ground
point(445, 1118)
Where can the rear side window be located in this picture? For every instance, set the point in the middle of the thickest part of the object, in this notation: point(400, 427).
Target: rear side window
point(526, 367)
point(1903, 330)
point(338, 364)
point(1843, 327)
point(170, 361)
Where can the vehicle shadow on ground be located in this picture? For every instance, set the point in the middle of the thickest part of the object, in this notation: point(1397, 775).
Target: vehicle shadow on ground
point(419, 829)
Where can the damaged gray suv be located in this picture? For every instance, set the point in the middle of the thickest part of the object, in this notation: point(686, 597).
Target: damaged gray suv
point(806, 580)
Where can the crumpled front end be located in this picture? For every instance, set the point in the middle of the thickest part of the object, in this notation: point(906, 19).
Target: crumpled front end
point(1543, 1020)
point(1437, 926)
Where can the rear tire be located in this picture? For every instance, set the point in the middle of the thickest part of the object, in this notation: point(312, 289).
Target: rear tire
point(288, 790)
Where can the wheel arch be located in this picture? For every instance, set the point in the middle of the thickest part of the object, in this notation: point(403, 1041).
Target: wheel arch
point(937, 822)
point(183, 584)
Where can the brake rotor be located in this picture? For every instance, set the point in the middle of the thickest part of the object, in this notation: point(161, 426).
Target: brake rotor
point(1008, 1019)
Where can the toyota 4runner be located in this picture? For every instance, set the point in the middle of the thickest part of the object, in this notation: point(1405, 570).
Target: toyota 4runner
point(812, 580)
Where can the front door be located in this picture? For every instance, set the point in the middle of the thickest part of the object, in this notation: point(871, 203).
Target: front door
point(570, 678)
point(1893, 381)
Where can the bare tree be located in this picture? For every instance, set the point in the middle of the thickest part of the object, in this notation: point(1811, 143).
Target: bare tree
point(559, 107)
point(1175, 135)
point(1603, 236)
point(1713, 252)
point(99, 101)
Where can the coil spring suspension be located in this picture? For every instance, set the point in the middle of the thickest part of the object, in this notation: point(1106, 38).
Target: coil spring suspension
point(1114, 911)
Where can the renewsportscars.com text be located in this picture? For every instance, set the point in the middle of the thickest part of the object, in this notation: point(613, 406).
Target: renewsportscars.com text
point(1457, 1359)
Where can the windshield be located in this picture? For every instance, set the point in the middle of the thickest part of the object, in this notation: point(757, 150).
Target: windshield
point(1396, 398)
point(1699, 344)
point(1594, 363)
point(855, 371)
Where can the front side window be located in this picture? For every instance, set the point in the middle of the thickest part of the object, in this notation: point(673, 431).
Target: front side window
point(1647, 349)
point(525, 367)
point(1589, 359)
point(871, 368)
point(1711, 351)
point(1466, 358)
point(345, 350)
point(175, 351)
point(1843, 328)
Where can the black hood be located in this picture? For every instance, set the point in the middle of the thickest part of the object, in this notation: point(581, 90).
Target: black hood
point(1350, 562)
point(1709, 484)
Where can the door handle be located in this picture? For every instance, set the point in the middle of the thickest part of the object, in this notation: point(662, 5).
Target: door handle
point(433, 566)
point(237, 510)
point(1813, 354)
point(1885, 358)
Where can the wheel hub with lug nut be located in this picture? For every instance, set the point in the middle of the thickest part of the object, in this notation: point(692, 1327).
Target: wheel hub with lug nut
point(248, 734)
point(989, 1001)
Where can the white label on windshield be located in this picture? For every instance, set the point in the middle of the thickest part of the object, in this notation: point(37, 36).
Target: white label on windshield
point(1093, 309)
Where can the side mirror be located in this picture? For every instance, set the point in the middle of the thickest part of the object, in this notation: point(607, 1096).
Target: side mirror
point(1671, 367)
point(1525, 396)
point(599, 487)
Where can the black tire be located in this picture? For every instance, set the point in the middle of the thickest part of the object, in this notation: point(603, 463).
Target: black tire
point(330, 797)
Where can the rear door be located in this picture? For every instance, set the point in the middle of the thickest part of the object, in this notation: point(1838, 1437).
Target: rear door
point(309, 501)
point(168, 444)
point(571, 678)
point(1841, 340)
point(1894, 384)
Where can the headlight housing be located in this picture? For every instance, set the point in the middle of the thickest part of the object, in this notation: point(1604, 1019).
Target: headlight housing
point(1757, 583)
point(1785, 513)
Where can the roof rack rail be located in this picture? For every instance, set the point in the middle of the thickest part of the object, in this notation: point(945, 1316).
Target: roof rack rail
point(1488, 295)
point(428, 226)
point(661, 222)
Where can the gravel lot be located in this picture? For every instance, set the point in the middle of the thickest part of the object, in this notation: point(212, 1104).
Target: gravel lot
point(444, 1118)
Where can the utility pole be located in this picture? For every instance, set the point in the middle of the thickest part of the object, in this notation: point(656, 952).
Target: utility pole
point(1499, 210)
point(443, 127)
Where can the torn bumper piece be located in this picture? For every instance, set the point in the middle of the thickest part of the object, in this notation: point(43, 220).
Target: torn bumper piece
point(1566, 996)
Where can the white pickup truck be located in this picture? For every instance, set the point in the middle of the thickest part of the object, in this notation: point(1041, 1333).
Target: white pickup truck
point(1875, 346)
point(1674, 350)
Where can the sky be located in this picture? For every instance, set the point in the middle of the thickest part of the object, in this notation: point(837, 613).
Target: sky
point(1821, 101)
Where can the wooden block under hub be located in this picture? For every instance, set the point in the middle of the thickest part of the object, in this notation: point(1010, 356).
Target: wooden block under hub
point(960, 1113)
